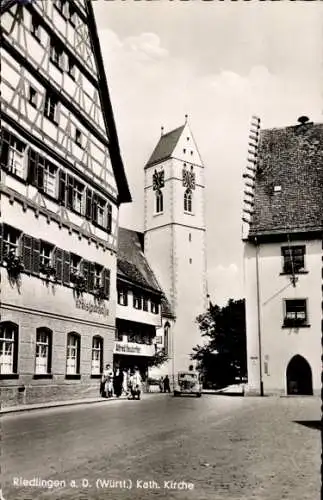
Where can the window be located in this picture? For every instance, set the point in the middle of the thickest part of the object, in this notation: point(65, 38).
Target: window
point(72, 15)
point(73, 354)
point(98, 210)
point(10, 240)
point(56, 54)
point(295, 312)
point(75, 194)
point(293, 259)
point(159, 201)
point(190, 261)
point(137, 301)
point(188, 201)
point(12, 154)
point(8, 348)
point(166, 337)
point(43, 351)
point(50, 110)
point(71, 67)
point(32, 96)
point(60, 5)
point(75, 266)
point(98, 281)
point(154, 307)
point(145, 304)
point(97, 356)
point(35, 28)
point(42, 173)
point(184, 151)
point(122, 296)
point(190, 237)
point(45, 256)
point(78, 137)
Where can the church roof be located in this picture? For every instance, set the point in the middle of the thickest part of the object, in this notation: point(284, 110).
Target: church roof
point(165, 146)
point(289, 180)
point(131, 261)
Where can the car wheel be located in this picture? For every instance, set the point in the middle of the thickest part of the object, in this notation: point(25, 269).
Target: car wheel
point(198, 395)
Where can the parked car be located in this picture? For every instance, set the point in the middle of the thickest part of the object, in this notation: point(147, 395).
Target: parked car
point(188, 382)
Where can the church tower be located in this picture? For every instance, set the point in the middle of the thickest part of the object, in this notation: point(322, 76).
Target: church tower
point(175, 235)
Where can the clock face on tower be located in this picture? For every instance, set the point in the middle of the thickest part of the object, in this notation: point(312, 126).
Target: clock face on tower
point(188, 178)
point(158, 180)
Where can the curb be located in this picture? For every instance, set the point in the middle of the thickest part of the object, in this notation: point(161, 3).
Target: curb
point(45, 406)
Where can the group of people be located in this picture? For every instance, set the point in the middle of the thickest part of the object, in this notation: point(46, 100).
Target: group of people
point(120, 382)
point(164, 385)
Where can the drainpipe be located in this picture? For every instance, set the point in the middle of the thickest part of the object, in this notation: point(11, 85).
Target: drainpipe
point(258, 318)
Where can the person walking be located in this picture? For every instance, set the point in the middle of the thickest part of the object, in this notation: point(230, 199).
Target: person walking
point(135, 384)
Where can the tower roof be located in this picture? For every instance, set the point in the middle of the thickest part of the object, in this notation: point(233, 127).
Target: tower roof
point(289, 180)
point(165, 146)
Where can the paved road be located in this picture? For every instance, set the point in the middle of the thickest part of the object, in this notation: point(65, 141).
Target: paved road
point(226, 447)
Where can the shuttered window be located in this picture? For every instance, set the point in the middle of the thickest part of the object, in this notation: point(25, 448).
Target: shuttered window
point(58, 262)
point(62, 187)
point(36, 256)
point(109, 218)
point(1, 243)
point(106, 282)
point(66, 267)
point(88, 203)
point(27, 252)
point(85, 272)
point(91, 275)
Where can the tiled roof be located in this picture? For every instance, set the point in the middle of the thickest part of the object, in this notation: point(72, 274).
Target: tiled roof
point(165, 146)
point(132, 263)
point(289, 181)
point(166, 308)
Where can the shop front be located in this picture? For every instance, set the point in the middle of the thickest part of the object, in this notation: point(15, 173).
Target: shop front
point(128, 356)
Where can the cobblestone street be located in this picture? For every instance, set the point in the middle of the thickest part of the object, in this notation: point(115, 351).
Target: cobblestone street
point(228, 448)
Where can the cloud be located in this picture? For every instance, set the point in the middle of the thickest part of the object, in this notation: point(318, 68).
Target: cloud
point(146, 46)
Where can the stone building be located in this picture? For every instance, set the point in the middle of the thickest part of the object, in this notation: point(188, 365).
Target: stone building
point(62, 183)
point(175, 234)
point(282, 236)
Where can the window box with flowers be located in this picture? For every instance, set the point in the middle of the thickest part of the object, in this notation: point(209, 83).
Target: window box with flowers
point(48, 270)
point(100, 293)
point(14, 265)
point(79, 281)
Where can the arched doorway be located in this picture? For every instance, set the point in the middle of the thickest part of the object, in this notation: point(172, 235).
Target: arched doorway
point(299, 377)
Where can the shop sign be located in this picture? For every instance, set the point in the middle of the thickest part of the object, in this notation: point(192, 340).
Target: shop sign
point(134, 349)
point(91, 307)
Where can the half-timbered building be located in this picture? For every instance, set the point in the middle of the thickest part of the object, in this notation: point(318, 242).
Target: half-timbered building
point(62, 183)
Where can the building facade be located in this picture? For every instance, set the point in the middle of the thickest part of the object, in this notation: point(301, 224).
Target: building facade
point(175, 236)
point(139, 306)
point(282, 258)
point(61, 186)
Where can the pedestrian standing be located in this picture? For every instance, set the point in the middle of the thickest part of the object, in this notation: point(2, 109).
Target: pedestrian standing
point(166, 384)
point(161, 384)
point(107, 381)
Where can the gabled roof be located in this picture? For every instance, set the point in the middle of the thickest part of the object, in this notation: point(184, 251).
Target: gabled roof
point(166, 308)
point(165, 146)
point(289, 181)
point(124, 195)
point(131, 261)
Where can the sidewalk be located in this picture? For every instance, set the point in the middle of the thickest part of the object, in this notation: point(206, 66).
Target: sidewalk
point(56, 404)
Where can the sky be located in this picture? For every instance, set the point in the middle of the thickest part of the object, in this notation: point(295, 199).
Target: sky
point(219, 63)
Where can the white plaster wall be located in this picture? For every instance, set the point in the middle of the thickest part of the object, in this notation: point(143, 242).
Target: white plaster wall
point(279, 344)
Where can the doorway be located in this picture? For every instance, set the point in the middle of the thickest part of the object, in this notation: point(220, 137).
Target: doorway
point(299, 377)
